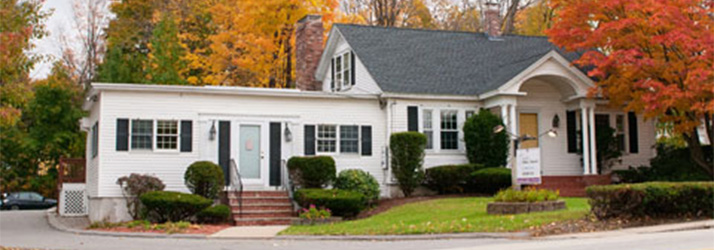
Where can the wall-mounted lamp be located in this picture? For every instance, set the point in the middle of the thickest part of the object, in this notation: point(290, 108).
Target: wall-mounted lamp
point(556, 121)
point(212, 132)
point(288, 134)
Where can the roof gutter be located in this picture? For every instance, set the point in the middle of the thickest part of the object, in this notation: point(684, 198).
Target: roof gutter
point(430, 96)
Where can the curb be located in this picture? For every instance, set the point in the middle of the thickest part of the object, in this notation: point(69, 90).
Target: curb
point(449, 236)
point(52, 220)
point(695, 225)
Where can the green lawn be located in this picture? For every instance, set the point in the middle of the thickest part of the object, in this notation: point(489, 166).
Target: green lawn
point(444, 216)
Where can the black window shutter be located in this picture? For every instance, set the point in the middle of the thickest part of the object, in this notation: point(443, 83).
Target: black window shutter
point(332, 80)
point(366, 140)
point(571, 131)
point(352, 69)
point(412, 118)
point(632, 128)
point(122, 134)
point(309, 139)
point(186, 136)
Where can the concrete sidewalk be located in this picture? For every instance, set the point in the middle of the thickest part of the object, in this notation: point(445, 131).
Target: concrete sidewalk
point(248, 232)
point(636, 230)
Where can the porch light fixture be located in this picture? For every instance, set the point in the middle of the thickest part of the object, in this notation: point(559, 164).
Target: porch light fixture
point(288, 133)
point(556, 121)
point(212, 132)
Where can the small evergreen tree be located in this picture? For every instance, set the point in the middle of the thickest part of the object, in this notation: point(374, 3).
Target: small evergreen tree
point(482, 145)
point(407, 157)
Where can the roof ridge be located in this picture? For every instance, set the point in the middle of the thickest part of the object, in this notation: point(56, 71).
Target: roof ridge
point(431, 30)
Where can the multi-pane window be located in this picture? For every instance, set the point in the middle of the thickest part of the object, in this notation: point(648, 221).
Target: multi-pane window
point(166, 134)
point(326, 138)
point(428, 128)
point(343, 68)
point(141, 134)
point(449, 129)
point(95, 139)
point(620, 131)
point(349, 139)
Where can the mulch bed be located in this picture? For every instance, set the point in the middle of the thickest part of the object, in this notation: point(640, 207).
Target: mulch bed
point(591, 224)
point(386, 204)
point(193, 229)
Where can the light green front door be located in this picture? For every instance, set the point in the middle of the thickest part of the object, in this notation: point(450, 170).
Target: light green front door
point(250, 152)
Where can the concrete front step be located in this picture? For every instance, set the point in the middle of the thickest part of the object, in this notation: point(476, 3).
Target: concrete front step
point(264, 221)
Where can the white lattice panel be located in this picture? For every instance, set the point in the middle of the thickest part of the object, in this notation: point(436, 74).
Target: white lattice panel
point(73, 200)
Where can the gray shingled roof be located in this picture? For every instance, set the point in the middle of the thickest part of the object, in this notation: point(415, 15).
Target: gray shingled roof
point(442, 62)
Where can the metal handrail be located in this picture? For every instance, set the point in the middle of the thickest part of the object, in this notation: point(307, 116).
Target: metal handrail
point(286, 182)
point(236, 183)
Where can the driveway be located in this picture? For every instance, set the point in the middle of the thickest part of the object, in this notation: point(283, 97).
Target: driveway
point(29, 229)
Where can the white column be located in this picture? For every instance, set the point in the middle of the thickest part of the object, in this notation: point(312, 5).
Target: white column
point(593, 149)
point(506, 122)
point(586, 144)
point(514, 124)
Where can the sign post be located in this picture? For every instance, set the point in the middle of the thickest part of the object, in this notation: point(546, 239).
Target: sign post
point(528, 166)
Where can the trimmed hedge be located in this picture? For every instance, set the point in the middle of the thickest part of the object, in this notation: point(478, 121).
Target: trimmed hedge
point(652, 199)
point(204, 178)
point(450, 178)
point(214, 214)
point(312, 171)
point(340, 202)
point(491, 180)
point(359, 181)
point(162, 206)
point(407, 157)
point(670, 164)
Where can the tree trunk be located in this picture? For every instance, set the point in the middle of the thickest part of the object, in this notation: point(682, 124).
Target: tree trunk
point(696, 152)
point(509, 19)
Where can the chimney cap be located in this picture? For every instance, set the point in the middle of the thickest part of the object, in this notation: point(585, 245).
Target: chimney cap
point(309, 17)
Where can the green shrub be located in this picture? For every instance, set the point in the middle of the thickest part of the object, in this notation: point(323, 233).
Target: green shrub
point(652, 199)
point(340, 202)
point(527, 195)
point(407, 157)
point(450, 178)
point(214, 214)
point(133, 186)
point(358, 181)
point(312, 171)
point(204, 178)
point(670, 164)
point(482, 145)
point(491, 180)
point(313, 213)
point(162, 206)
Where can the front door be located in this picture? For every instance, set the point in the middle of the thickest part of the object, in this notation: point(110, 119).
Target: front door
point(250, 153)
point(528, 124)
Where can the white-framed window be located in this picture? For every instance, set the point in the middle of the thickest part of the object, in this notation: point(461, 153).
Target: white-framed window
point(449, 130)
point(142, 134)
point(620, 132)
point(343, 71)
point(428, 127)
point(326, 138)
point(95, 139)
point(349, 139)
point(167, 135)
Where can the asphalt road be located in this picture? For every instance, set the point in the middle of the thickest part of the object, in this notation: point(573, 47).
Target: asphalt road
point(29, 229)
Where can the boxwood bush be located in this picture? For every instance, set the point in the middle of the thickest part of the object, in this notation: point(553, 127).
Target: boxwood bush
point(450, 178)
point(214, 214)
point(491, 180)
point(162, 206)
point(204, 178)
point(340, 202)
point(407, 157)
point(312, 171)
point(652, 199)
point(359, 181)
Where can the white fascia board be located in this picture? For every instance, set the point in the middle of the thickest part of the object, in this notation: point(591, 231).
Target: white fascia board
point(550, 55)
point(429, 96)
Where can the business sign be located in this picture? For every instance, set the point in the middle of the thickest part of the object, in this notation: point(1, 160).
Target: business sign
point(528, 166)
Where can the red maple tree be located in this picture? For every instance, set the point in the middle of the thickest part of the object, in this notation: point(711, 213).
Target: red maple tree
point(653, 57)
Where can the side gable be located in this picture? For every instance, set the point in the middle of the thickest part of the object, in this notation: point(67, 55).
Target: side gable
point(337, 44)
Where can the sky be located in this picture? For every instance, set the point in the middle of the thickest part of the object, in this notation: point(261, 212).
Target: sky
point(60, 21)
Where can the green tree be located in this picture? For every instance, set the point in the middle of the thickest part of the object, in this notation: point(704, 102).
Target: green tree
point(407, 150)
point(482, 145)
point(166, 56)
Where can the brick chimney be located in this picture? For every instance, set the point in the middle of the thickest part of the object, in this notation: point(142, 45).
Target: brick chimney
point(308, 50)
point(492, 20)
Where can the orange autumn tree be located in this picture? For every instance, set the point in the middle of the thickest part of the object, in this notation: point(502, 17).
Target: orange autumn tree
point(653, 57)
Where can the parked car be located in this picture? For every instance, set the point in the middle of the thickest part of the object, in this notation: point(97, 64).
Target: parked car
point(26, 200)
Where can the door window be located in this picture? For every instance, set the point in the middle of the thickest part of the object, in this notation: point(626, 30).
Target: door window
point(528, 124)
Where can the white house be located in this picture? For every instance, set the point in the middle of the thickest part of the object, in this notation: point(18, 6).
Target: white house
point(366, 83)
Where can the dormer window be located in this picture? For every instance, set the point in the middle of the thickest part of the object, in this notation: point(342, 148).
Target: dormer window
point(342, 71)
